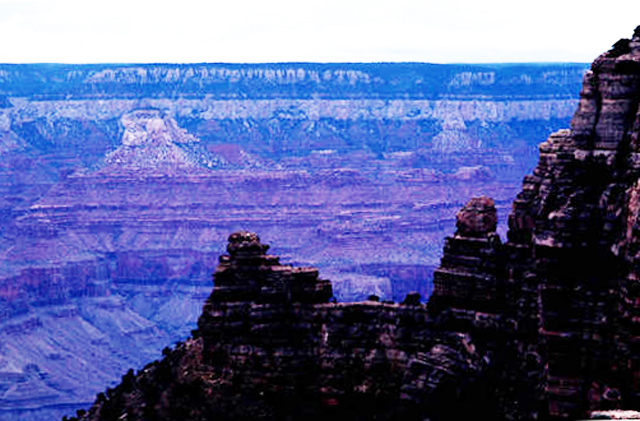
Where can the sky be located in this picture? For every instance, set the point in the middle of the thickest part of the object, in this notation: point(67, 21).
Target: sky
point(255, 31)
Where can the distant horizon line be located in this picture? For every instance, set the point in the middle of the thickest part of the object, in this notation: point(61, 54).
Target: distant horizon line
point(267, 63)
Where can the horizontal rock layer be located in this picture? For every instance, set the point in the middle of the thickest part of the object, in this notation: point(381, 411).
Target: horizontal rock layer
point(568, 273)
point(383, 80)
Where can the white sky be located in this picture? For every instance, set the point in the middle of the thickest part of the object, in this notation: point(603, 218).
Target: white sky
point(246, 31)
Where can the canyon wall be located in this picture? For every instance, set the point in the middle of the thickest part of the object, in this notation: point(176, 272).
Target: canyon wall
point(120, 185)
point(569, 274)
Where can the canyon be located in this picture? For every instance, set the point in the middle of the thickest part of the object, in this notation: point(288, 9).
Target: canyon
point(121, 183)
point(540, 325)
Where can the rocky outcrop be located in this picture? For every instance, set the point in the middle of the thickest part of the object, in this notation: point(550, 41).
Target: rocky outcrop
point(568, 274)
point(153, 141)
point(270, 345)
point(469, 274)
point(571, 227)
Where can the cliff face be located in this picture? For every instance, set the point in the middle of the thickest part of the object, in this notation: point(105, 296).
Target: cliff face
point(545, 323)
point(283, 80)
point(575, 222)
point(568, 274)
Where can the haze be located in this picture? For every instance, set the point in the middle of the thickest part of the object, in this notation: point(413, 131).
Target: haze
point(249, 31)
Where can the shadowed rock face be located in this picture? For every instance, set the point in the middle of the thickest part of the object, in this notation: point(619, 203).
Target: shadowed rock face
point(468, 276)
point(570, 251)
point(546, 323)
point(568, 274)
point(269, 345)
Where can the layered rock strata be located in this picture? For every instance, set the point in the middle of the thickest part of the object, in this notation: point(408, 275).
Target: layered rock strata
point(121, 183)
point(270, 345)
point(547, 322)
point(570, 244)
point(468, 276)
point(568, 274)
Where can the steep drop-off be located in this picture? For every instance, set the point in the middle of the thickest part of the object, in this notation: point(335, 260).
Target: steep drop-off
point(120, 184)
point(546, 323)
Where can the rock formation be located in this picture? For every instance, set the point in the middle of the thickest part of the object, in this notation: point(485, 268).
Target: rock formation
point(546, 324)
point(119, 185)
point(153, 141)
point(270, 345)
point(570, 252)
point(469, 274)
point(568, 274)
